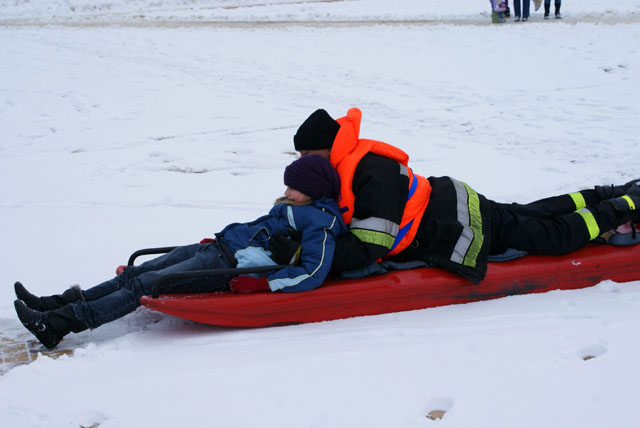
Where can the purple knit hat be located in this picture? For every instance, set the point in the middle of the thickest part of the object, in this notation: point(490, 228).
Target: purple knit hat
point(314, 176)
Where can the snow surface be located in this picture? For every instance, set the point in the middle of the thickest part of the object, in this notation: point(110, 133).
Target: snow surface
point(131, 124)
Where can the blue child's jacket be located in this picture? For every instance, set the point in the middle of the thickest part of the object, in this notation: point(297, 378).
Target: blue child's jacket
point(320, 224)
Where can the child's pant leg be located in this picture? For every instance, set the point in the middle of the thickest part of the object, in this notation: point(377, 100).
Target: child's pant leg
point(126, 298)
point(171, 258)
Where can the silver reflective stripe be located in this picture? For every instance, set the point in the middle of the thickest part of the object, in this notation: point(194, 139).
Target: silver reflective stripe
point(376, 224)
point(292, 221)
point(404, 170)
point(467, 235)
point(279, 284)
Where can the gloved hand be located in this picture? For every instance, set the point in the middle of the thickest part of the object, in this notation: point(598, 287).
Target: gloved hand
point(285, 250)
point(248, 284)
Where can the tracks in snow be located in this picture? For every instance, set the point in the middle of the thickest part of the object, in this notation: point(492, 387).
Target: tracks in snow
point(139, 21)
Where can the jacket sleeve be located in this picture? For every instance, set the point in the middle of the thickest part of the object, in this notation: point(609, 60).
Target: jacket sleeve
point(318, 245)
point(381, 190)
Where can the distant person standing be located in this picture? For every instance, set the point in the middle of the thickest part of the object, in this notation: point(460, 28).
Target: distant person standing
point(547, 8)
point(521, 6)
point(498, 10)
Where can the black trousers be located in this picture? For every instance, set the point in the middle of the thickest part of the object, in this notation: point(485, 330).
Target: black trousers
point(551, 225)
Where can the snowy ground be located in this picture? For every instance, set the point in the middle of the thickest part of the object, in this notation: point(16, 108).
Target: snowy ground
point(129, 124)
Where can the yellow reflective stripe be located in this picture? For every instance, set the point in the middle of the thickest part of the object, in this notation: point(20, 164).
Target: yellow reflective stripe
point(590, 222)
point(467, 248)
point(476, 226)
point(373, 237)
point(578, 200)
point(632, 206)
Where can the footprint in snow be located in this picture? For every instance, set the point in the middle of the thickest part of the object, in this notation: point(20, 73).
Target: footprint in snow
point(592, 352)
point(438, 407)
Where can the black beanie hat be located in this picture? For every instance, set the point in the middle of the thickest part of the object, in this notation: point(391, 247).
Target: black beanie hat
point(317, 132)
point(314, 176)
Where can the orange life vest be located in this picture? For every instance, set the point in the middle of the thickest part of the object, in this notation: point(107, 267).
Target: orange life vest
point(347, 151)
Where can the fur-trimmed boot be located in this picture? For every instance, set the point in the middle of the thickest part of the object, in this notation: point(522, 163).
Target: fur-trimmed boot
point(47, 303)
point(51, 326)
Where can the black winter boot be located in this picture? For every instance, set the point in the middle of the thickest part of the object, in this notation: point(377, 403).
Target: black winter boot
point(47, 303)
point(51, 326)
point(547, 6)
point(629, 203)
point(614, 191)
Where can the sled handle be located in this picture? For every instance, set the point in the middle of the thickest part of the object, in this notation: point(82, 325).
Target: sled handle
point(207, 273)
point(146, 251)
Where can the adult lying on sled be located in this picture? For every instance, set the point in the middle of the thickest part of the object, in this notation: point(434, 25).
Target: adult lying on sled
point(395, 214)
point(308, 207)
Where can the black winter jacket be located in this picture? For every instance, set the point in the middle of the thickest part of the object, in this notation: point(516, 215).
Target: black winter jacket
point(454, 231)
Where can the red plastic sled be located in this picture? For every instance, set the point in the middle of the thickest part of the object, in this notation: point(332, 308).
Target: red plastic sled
point(405, 290)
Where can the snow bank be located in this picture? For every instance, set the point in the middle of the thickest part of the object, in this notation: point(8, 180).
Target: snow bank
point(278, 10)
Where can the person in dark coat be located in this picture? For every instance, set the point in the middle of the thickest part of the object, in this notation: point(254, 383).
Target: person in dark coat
point(395, 214)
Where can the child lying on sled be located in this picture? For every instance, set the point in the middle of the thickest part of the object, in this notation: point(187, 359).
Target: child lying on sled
point(308, 207)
